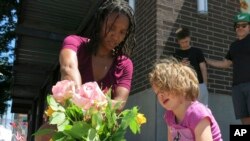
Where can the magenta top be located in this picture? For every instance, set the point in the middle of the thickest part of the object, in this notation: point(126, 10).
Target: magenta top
point(119, 74)
point(184, 131)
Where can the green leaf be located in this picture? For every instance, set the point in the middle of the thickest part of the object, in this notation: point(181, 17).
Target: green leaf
point(118, 135)
point(51, 101)
point(59, 136)
point(54, 105)
point(62, 126)
point(78, 130)
point(97, 120)
point(108, 93)
point(61, 108)
point(92, 135)
point(111, 115)
point(43, 132)
point(68, 127)
point(105, 136)
point(134, 126)
point(129, 119)
point(117, 105)
point(57, 118)
point(135, 110)
point(74, 113)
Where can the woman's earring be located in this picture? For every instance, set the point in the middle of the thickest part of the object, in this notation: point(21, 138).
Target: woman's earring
point(113, 51)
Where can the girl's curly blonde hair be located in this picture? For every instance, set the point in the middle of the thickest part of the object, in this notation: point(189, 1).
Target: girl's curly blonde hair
point(172, 76)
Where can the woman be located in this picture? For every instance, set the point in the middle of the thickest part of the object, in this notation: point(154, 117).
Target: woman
point(104, 57)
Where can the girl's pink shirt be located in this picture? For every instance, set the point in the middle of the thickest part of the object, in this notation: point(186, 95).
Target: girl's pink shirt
point(184, 131)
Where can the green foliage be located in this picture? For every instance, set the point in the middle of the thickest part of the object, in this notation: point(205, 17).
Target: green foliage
point(95, 124)
point(74, 113)
point(44, 132)
point(5, 81)
point(54, 105)
point(8, 16)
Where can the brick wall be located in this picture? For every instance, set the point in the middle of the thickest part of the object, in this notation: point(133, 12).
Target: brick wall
point(145, 51)
point(158, 19)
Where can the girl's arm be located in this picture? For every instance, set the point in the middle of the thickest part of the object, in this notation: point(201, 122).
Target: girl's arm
point(203, 130)
point(169, 135)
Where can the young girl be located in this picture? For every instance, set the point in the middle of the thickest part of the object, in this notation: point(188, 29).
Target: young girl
point(177, 89)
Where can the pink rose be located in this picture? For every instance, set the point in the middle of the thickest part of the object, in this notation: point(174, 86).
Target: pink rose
point(82, 102)
point(63, 90)
point(89, 94)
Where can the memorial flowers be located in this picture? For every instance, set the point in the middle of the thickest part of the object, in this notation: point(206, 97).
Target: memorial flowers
point(87, 114)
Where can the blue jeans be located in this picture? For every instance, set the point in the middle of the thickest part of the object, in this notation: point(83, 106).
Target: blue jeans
point(203, 96)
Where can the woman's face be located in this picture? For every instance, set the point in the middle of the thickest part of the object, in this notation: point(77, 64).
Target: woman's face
point(114, 30)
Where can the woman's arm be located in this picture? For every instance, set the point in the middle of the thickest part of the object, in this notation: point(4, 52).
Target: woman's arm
point(124, 78)
point(69, 66)
point(203, 130)
point(121, 95)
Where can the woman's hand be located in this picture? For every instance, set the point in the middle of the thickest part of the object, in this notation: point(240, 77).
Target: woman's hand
point(121, 95)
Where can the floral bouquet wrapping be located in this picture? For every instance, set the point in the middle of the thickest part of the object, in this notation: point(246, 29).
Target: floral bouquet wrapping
point(88, 114)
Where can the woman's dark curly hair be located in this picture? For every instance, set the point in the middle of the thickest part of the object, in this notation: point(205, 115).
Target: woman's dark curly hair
point(106, 8)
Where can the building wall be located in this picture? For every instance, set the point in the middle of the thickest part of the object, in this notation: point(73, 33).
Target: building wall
point(145, 51)
point(157, 21)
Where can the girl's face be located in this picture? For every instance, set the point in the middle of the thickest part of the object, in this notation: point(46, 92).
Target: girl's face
point(168, 100)
point(114, 30)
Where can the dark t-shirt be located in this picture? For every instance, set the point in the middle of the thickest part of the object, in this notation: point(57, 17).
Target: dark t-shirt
point(239, 54)
point(195, 56)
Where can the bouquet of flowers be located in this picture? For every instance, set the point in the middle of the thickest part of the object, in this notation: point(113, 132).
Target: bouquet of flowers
point(87, 114)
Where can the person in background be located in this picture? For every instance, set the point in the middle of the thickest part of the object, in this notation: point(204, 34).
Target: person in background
point(194, 57)
point(104, 56)
point(177, 88)
point(238, 56)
